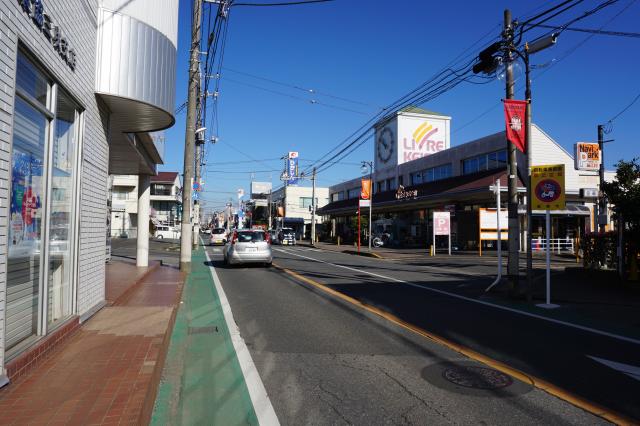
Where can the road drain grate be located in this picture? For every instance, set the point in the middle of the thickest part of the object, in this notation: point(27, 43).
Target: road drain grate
point(203, 330)
point(477, 377)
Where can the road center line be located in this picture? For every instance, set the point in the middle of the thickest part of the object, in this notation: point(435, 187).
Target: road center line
point(481, 302)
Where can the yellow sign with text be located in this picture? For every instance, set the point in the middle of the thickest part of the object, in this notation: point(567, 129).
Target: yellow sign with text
point(547, 187)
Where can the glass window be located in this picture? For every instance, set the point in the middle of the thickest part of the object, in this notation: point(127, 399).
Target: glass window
point(391, 183)
point(31, 81)
point(429, 175)
point(493, 160)
point(482, 162)
point(305, 202)
point(416, 178)
point(25, 222)
point(502, 158)
point(354, 193)
point(62, 214)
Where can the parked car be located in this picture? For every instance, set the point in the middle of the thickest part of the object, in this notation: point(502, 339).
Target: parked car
point(248, 246)
point(287, 236)
point(163, 232)
point(218, 236)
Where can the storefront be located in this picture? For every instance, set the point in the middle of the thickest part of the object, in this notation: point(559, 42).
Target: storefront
point(457, 179)
point(57, 141)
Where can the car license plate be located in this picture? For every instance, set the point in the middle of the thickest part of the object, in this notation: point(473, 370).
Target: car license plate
point(251, 249)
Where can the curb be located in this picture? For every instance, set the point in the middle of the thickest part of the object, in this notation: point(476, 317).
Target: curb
point(156, 376)
point(363, 253)
point(133, 287)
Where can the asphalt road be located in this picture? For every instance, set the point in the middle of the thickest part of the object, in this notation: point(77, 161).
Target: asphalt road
point(166, 250)
point(325, 361)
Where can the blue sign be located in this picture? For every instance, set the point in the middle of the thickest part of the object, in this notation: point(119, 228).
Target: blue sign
point(292, 168)
point(195, 195)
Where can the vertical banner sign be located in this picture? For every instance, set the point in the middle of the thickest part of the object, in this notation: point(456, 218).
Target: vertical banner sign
point(514, 115)
point(365, 192)
point(547, 184)
point(292, 168)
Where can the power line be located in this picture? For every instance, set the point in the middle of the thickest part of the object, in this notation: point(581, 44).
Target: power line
point(303, 89)
point(292, 3)
point(624, 109)
point(593, 31)
point(305, 100)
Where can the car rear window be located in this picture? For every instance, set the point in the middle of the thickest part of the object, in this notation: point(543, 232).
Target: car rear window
point(246, 237)
point(219, 231)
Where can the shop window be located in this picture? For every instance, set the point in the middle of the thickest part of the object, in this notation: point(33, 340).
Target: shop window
point(337, 196)
point(391, 184)
point(305, 202)
point(354, 193)
point(44, 156)
point(416, 178)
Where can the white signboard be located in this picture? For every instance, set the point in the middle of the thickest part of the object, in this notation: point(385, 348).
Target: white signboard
point(587, 156)
point(488, 220)
point(260, 188)
point(420, 136)
point(441, 223)
point(493, 235)
point(409, 136)
point(365, 203)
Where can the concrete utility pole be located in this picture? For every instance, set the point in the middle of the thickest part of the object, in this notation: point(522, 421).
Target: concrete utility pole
point(512, 170)
point(313, 208)
point(199, 141)
point(602, 204)
point(186, 234)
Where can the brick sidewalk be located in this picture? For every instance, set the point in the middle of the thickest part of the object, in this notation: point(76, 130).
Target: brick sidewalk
point(107, 372)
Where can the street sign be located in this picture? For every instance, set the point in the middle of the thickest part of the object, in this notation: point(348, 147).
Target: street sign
point(365, 203)
point(587, 156)
point(441, 223)
point(441, 226)
point(195, 195)
point(547, 183)
point(589, 192)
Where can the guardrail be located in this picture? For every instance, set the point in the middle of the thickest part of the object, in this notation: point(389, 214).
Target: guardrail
point(556, 245)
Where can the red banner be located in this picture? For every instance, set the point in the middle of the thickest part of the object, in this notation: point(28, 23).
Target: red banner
point(365, 192)
point(514, 115)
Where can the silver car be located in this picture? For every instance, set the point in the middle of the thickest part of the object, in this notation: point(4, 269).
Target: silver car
point(248, 246)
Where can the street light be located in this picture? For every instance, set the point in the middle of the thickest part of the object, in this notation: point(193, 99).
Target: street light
point(368, 166)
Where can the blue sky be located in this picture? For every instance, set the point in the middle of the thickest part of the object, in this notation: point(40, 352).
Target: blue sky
point(373, 52)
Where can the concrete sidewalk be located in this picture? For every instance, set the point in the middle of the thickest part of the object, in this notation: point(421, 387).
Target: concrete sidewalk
point(107, 372)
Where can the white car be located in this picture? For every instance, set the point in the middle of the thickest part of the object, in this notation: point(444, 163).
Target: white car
point(218, 236)
point(248, 246)
point(164, 232)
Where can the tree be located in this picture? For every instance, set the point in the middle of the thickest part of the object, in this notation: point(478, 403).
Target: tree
point(624, 194)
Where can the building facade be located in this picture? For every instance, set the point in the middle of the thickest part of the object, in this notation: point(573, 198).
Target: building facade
point(458, 180)
point(77, 98)
point(292, 207)
point(166, 198)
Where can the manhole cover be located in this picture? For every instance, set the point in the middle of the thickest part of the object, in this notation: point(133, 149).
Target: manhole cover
point(477, 377)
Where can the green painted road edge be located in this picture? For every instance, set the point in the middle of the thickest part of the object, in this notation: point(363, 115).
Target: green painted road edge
point(202, 382)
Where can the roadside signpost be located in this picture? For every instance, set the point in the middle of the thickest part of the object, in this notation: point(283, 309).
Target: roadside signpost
point(548, 193)
point(441, 226)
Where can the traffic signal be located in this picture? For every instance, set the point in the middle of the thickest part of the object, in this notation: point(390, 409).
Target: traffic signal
point(487, 62)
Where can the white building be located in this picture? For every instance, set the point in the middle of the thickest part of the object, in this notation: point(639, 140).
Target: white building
point(166, 198)
point(84, 82)
point(124, 206)
point(292, 207)
point(456, 179)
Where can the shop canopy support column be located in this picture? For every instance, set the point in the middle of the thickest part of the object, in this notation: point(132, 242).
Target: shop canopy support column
point(142, 244)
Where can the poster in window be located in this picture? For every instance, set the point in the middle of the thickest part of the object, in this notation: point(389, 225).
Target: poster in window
point(24, 222)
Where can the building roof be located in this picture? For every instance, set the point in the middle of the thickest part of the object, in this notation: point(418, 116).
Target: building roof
point(417, 110)
point(164, 177)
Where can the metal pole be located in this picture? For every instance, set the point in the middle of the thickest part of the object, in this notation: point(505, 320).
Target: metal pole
point(527, 96)
point(185, 228)
point(514, 226)
point(358, 227)
point(370, 202)
point(499, 243)
point(196, 180)
point(269, 206)
point(602, 206)
point(548, 225)
point(313, 208)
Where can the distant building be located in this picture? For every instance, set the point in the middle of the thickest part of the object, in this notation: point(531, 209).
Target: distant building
point(124, 206)
point(166, 198)
point(291, 206)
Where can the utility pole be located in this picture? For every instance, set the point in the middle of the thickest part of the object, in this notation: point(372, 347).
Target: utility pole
point(199, 142)
point(602, 204)
point(527, 95)
point(269, 207)
point(186, 234)
point(313, 208)
point(512, 170)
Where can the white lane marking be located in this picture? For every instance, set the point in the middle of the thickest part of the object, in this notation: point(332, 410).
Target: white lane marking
point(482, 302)
point(259, 398)
point(630, 370)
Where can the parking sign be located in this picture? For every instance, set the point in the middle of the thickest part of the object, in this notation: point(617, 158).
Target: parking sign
point(547, 187)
